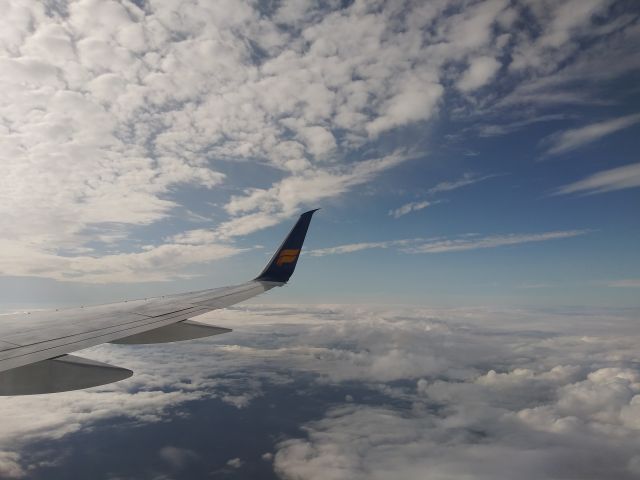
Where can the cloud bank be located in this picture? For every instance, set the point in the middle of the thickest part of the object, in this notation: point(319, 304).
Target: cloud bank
point(460, 392)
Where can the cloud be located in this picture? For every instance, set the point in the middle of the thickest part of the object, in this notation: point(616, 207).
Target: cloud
point(356, 247)
point(560, 72)
point(541, 417)
point(480, 71)
point(110, 117)
point(495, 129)
point(451, 385)
point(259, 208)
point(154, 263)
point(619, 178)
point(408, 208)
point(461, 243)
point(176, 457)
point(10, 465)
point(467, 179)
point(562, 24)
point(475, 243)
point(571, 139)
point(235, 463)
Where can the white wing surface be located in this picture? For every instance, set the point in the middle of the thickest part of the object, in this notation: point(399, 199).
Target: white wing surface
point(34, 347)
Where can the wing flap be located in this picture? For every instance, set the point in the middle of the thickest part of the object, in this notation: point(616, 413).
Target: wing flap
point(61, 374)
point(176, 332)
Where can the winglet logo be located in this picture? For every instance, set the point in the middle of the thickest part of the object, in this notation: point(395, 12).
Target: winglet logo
point(287, 256)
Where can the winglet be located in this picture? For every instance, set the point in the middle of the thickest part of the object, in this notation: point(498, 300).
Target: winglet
point(283, 263)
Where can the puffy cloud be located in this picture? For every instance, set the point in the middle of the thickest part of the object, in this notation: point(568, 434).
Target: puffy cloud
point(153, 263)
point(543, 417)
point(562, 24)
point(517, 388)
point(10, 465)
point(110, 108)
point(480, 71)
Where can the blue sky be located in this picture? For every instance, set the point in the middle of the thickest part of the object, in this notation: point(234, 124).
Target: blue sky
point(462, 153)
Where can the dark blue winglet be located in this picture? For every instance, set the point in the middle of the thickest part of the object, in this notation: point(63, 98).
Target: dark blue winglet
point(283, 263)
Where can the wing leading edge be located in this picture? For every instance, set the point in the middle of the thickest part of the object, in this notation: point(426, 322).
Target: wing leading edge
point(36, 346)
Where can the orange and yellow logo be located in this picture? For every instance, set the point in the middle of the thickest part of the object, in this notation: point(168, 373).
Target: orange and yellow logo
point(287, 256)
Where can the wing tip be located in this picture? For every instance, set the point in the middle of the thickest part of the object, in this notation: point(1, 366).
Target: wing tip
point(283, 263)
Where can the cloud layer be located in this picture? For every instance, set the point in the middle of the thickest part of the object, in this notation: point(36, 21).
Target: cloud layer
point(460, 392)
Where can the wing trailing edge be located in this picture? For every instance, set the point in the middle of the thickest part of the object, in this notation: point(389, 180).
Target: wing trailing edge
point(176, 332)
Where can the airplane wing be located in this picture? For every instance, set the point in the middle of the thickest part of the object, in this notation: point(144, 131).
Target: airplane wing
point(35, 347)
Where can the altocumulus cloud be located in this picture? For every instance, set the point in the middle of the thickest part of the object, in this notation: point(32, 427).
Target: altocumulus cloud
point(111, 107)
point(461, 392)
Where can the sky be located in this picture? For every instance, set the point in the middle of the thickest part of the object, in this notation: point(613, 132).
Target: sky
point(467, 299)
point(462, 152)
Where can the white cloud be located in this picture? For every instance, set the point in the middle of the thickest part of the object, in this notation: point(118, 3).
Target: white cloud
point(495, 129)
point(480, 71)
point(235, 462)
point(265, 207)
point(408, 208)
point(447, 186)
point(518, 388)
point(416, 101)
point(10, 465)
point(619, 178)
point(575, 138)
point(461, 243)
point(475, 243)
point(467, 179)
point(356, 247)
point(108, 109)
point(155, 263)
point(562, 23)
